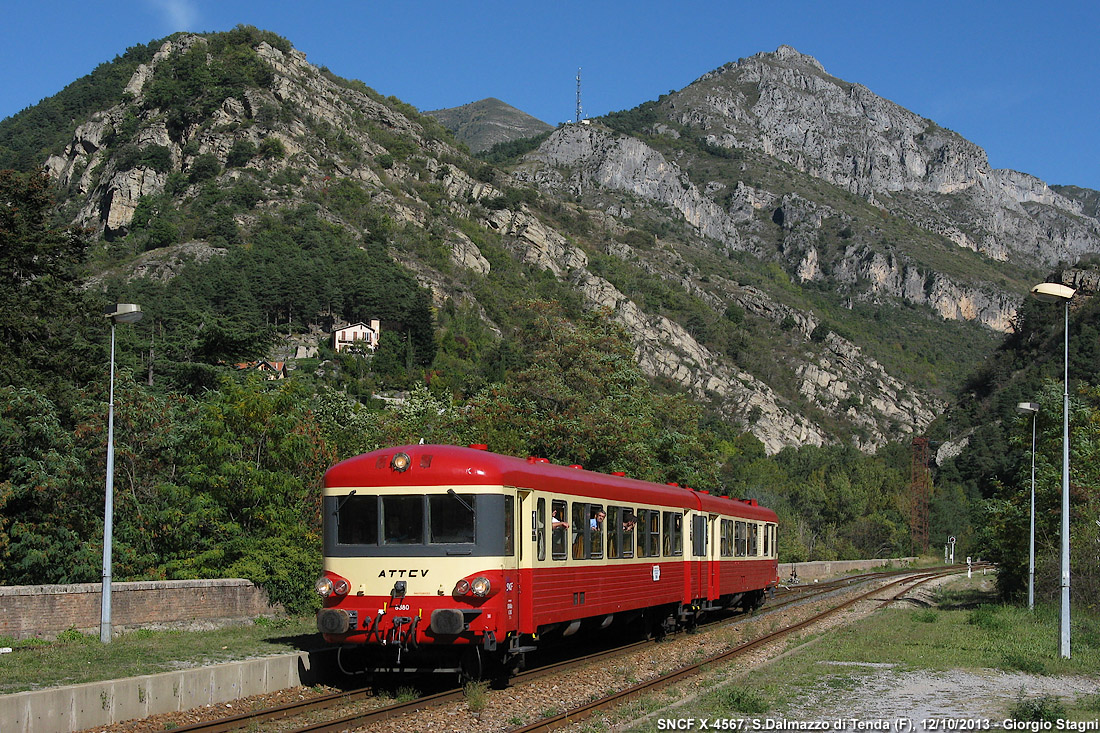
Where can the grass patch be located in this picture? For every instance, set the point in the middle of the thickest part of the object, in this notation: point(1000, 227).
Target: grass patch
point(924, 616)
point(75, 658)
point(741, 700)
point(477, 696)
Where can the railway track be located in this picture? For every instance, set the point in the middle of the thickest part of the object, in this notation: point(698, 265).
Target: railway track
point(359, 708)
point(584, 711)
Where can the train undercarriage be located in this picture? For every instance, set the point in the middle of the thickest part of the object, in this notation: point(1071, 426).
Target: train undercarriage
point(488, 658)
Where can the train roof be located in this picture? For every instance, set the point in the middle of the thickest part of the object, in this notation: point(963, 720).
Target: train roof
point(450, 465)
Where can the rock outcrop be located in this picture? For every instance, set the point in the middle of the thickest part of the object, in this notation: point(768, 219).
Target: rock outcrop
point(785, 105)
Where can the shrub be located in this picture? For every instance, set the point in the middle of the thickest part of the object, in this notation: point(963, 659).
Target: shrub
point(205, 167)
point(272, 148)
point(286, 567)
point(1043, 709)
point(240, 154)
point(71, 635)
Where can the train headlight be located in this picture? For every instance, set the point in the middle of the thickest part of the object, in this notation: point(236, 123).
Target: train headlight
point(462, 587)
point(326, 586)
point(400, 462)
point(481, 586)
point(323, 586)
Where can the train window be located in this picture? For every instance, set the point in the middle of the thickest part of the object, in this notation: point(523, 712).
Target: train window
point(754, 531)
point(450, 518)
point(629, 524)
point(613, 531)
point(540, 530)
point(699, 535)
point(580, 522)
point(621, 523)
point(740, 539)
point(597, 521)
point(357, 520)
point(653, 549)
point(403, 519)
point(726, 544)
point(767, 540)
point(509, 526)
point(673, 534)
point(558, 530)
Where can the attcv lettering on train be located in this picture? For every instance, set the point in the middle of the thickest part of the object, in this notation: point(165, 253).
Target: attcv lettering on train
point(422, 573)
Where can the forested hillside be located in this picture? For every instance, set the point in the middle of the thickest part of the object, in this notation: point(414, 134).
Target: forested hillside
point(731, 322)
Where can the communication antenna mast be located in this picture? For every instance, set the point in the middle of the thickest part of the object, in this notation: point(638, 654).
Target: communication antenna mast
point(580, 112)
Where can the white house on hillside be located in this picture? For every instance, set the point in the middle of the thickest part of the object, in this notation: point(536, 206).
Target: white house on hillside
point(357, 337)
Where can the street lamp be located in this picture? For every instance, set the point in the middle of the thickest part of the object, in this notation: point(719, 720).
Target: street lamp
point(121, 313)
point(1056, 293)
point(1031, 408)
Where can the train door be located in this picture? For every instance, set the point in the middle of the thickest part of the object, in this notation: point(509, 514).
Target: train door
point(699, 567)
point(530, 532)
point(714, 560)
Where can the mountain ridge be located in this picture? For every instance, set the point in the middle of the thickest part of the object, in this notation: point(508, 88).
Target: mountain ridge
point(802, 300)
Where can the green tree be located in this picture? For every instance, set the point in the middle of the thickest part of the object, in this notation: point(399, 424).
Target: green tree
point(44, 313)
point(581, 398)
point(45, 510)
point(260, 462)
point(1005, 526)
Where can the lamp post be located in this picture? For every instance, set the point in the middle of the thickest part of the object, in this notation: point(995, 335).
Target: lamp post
point(121, 313)
point(1056, 293)
point(1031, 408)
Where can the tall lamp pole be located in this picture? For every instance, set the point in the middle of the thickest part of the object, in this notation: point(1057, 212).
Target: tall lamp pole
point(121, 313)
point(1056, 293)
point(1031, 408)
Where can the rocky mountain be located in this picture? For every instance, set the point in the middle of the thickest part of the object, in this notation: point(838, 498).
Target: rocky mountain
point(488, 122)
point(813, 262)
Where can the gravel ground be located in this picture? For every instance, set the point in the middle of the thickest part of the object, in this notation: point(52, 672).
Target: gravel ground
point(954, 695)
point(931, 702)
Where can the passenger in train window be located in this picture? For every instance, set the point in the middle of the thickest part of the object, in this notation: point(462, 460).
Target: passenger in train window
point(558, 528)
point(596, 531)
point(630, 522)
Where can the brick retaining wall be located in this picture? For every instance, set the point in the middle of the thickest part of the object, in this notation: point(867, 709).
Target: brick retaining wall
point(46, 610)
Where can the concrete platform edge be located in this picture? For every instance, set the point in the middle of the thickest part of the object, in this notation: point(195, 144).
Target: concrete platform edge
point(76, 707)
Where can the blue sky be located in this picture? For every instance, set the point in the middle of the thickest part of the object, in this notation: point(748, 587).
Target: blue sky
point(1020, 79)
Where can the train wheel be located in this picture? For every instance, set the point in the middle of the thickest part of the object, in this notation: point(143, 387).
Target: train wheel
point(472, 665)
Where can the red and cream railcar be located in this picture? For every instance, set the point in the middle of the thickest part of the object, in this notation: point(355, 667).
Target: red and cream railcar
point(454, 559)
